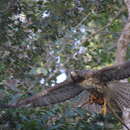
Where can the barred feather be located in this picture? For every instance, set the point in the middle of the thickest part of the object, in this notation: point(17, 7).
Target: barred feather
point(120, 93)
point(114, 72)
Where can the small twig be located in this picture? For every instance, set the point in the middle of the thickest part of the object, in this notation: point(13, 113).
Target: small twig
point(101, 29)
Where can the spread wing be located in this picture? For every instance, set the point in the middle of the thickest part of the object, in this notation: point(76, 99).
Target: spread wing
point(107, 74)
point(59, 93)
point(115, 72)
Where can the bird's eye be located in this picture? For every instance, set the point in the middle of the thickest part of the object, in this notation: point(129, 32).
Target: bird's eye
point(73, 73)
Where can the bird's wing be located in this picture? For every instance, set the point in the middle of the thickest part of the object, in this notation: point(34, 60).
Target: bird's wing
point(53, 95)
point(106, 74)
point(57, 94)
point(114, 72)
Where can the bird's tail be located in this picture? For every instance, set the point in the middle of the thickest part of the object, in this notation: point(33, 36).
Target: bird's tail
point(121, 94)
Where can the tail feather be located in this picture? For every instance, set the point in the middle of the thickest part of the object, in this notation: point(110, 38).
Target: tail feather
point(121, 102)
point(120, 94)
point(123, 95)
point(125, 89)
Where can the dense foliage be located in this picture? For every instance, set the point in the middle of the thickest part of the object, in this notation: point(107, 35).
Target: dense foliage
point(42, 39)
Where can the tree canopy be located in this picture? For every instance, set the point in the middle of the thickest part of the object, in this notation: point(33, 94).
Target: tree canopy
point(42, 40)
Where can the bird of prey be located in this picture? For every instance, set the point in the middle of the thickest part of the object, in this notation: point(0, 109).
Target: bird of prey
point(102, 85)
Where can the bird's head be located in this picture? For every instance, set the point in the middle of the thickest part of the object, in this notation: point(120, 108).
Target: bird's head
point(86, 78)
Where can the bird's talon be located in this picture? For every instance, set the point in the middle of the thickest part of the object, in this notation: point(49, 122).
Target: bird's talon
point(104, 108)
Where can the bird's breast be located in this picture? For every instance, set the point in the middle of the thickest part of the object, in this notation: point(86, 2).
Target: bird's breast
point(92, 83)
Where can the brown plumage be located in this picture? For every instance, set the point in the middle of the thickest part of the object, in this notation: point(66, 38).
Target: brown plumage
point(120, 94)
point(116, 94)
point(101, 80)
point(86, 80)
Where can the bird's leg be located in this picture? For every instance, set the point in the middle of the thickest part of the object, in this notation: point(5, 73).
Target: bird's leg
point(91, 100)
point(94, 98)
point(104, 107)
point(83, 104)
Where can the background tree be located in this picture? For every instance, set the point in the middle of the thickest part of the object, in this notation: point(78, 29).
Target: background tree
point(41, 41)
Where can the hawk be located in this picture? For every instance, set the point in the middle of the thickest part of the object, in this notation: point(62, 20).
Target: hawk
point(102, 85)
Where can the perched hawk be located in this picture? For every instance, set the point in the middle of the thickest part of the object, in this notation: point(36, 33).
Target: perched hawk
point(102, 86)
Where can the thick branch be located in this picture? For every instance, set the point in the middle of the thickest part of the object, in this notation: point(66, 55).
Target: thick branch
point(124, 39)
